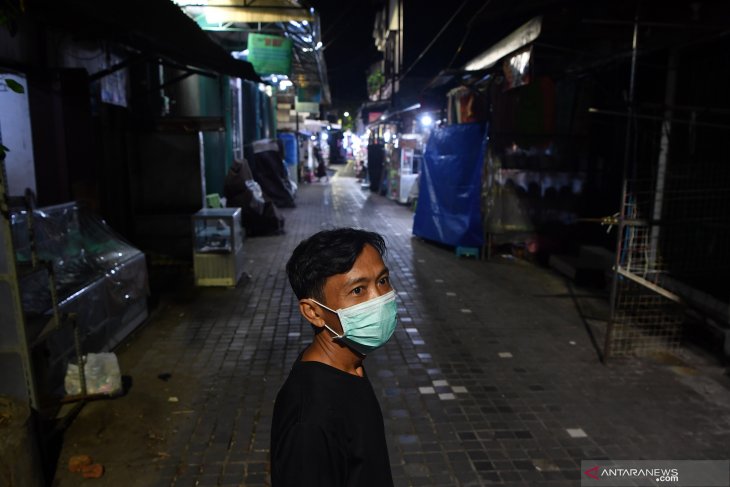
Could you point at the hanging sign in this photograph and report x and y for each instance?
(269, 54)
(309, 93)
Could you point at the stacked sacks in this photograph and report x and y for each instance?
(270, 172)
(259, 215)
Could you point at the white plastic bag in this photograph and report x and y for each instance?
(102, 375)
(255, 188)
(257, 201)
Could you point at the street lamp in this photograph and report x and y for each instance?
(426, 120)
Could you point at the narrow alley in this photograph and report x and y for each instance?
(492, 376)
(549, 178)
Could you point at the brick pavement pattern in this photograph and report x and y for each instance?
(491, 377)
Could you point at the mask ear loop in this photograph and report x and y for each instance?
(337, 335)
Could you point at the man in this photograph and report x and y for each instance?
(327, 429)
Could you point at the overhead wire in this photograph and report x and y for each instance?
(469, 26)
(433, 41)
(342, 15)
(342, 30)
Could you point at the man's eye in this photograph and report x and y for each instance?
(357, 291)
(384, 280)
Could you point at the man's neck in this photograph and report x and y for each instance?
(324, 349)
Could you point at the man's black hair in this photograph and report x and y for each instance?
(325, 254)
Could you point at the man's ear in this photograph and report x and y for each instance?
(312, 312)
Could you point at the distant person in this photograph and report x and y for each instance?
(321, 171)
(360, 171)
(327, 428)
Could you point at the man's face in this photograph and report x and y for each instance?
(368, 279)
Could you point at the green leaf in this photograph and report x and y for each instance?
(14, 85)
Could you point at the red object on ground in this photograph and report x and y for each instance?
(77, 463)
(93, 471)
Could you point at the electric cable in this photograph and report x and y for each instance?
(342, 30)
(469, 26)
(433, 41)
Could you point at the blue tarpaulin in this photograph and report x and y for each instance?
(290, 148)
(448, 209)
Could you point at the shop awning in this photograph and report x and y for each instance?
(478, 67)
(245, 11)
(155, 27)
(390, 117)
(521, 37)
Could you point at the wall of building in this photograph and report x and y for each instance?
(15, 134)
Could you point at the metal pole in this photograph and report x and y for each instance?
(630, 112)
(624, 192)
(79, 355)
(614, 282)
(671, 88)
(398, 50)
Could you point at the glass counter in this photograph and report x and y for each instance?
(217, 246)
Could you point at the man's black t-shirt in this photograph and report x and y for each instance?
(327, 431)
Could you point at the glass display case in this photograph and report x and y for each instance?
(98, 277)
(217, 246)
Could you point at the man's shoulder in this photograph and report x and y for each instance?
(313, 377)
(316, 384)
(307, 396)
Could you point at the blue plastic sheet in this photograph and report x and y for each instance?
(448, 209)
(290, 148)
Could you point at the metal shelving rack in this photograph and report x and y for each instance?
(19, 334)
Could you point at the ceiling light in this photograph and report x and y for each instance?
(215, 16)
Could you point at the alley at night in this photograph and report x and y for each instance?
(366, 243)
(490, 378)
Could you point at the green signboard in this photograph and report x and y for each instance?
(309, 93)
(269, 54)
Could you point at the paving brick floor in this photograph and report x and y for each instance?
(491, 377)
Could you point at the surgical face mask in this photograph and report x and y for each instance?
(369, 325)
